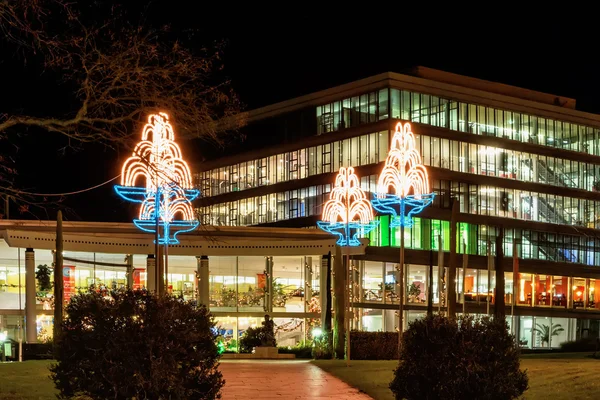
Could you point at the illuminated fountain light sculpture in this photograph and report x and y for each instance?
(348, 211)
(167, 180)
(407, 178)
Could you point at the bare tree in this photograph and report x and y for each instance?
(118, 73)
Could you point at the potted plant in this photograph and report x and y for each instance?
(413, 293)
(545, 334)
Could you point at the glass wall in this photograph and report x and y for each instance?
(474, 199)
(372, 148)
(353, 111)
(298, 164)
(509, 164)
(489, 121)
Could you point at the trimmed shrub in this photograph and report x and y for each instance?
(250, 339)
(134, 344)
(301, 351)
(37, 351)
(373, 345)
(582, 344)
(465, 359)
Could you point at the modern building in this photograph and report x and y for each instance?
(525, 161)
(238, 264)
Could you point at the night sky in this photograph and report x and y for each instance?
(271, 58)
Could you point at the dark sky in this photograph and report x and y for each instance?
(272, 57)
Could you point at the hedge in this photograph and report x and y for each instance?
(37, 351)
(373, 345)
(299, 351)
(583, 344)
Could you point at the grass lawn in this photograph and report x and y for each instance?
(27, 380)
(551, 376)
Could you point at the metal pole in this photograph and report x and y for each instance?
(514, 288)
(348, 306)
(348, 286)
(166, 266)
(489, 271)
(464, 274)
(20, 307)
(401, 287)
(440, 272)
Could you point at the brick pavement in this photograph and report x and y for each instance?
(282, 379)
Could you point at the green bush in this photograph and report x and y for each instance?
(136, 345)
(465, 359)
(301, 350)
(250, 339)
(373, 345)
(322, 348)
(583, 344)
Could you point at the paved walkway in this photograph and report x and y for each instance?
(282, 379)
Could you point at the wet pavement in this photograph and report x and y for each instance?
(282, 379)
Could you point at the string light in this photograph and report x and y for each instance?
(348, 211)
(157, 161)
(403, 185)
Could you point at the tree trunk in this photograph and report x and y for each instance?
(499, 303)
(58, 278)
(339, 306)
(452, 262)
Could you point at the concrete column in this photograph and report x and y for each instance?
(129, 274)
(30, 306)
(325, 292)
(308, 272)
(269, 288)
(151, 273)
(203, 280)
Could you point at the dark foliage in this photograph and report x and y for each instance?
(301, 351)
(464, 359)
(37, 351)
(373, 345)
(254, 337)
(42, 274)
(322, 346)
(251, 338)
(583, 344)
(136, 345)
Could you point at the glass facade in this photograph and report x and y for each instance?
(458, 116)
(353, 111)
(237, 285)
(363, 150)
(376, 283)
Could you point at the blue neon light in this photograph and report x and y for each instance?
(347, 233)
(401, 209)
(170, 194)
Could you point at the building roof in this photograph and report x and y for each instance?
(444, 84)
(125, 238)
